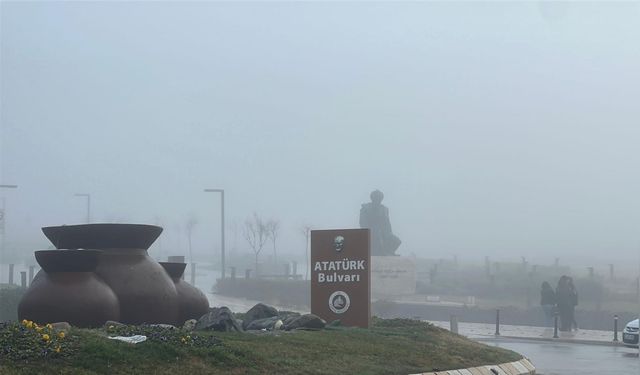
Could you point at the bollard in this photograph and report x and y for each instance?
(453, 323)
(31, 270)
(11, 274)
(555, 325)
(23, 279)
(615, 328)
(247, 273)
(193, 274)
(233, 273)
(497, 322)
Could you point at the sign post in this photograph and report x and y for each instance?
(340, 276)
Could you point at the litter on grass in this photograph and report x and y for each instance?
(130, 339)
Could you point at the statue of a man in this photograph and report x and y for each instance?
(375, 216)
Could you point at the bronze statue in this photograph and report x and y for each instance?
(375, 216)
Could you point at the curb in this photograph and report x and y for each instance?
(521, 367)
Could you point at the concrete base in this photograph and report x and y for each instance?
(392, 276)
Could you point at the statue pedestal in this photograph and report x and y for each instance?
(392, 276)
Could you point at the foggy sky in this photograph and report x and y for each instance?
(500, 129)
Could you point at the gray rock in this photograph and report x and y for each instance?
(165, 326)
(114, 324)
(307, 321)
(189, 325)
(218, 319)
(284, 315)
(259, 311)
(61, 327)
(288, 320)
(266, 323)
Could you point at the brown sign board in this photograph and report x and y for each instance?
(340, 276)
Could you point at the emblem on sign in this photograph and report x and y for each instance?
(339, 302)
(338, 243)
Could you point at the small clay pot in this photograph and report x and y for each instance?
(67, 290)
(191, 301)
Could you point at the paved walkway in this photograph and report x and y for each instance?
(481, 330)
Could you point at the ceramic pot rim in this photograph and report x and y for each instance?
(174, 269)
(63, 260)
(103, 236)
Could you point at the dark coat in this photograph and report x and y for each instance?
(547, 297)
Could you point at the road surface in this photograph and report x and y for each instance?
(552, 358)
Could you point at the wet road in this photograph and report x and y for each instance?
(572, 359)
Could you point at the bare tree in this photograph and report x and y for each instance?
(256, 233)
(305, 230)
(273, 226)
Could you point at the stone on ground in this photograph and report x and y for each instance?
(219, 319)
(307, 321)
(266, 323)
(259, 311)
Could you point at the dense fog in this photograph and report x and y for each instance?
(502, 130)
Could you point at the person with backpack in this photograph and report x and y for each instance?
(548, 303)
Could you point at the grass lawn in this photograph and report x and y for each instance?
(394, 346)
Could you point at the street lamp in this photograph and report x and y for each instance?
(88, 196)
(3, 217)
(221, 191)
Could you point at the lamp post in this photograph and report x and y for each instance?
(221, 191)
(88, 196)
(3, 218)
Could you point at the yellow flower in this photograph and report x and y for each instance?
(61, 334)
(24, 322)
(57, 349)
(29, 324)
(184, 341)
(49, 326)
(39, 329)
(45, 337)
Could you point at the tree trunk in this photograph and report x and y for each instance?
(256, 265)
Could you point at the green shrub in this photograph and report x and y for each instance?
(27, 340)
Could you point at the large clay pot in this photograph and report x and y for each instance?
(192, 302)
(145, 291)
(67, 290)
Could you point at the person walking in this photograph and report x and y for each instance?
(548, 303)
(564, 301)
(573, 302)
